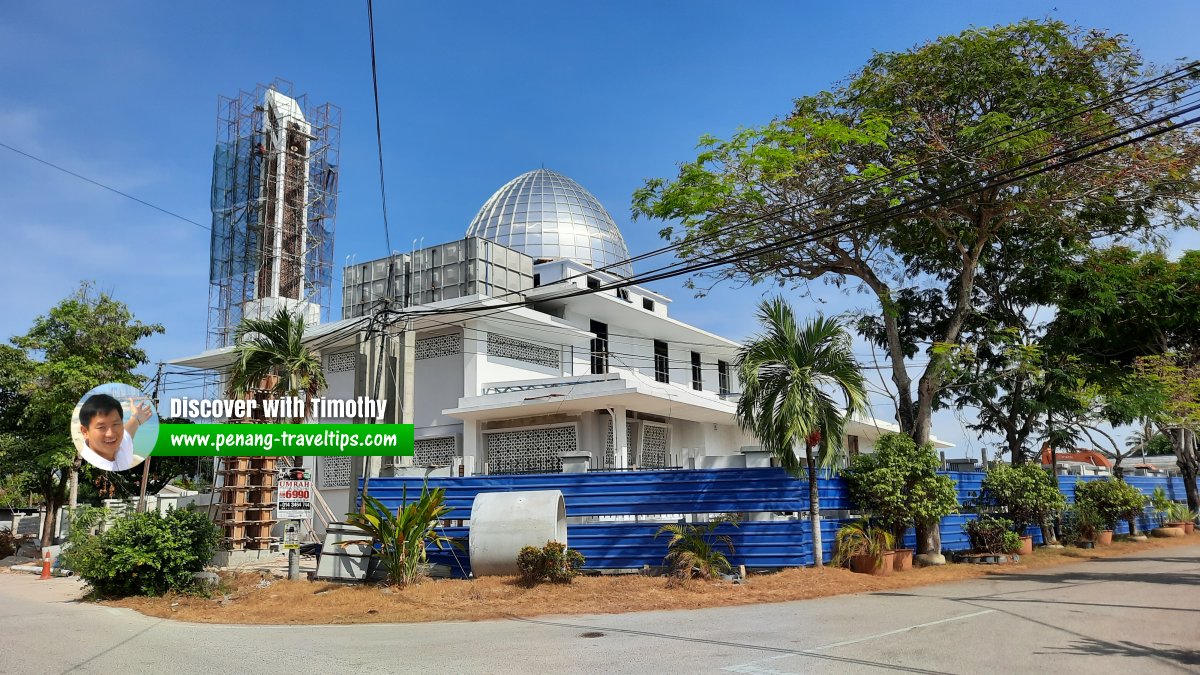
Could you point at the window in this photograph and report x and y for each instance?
(697, 379)
(852, 445)
(662, 365)
(723, 377)
(537, 280)
(648, 304)
(623, 293)
(599, 348)
(593, 283)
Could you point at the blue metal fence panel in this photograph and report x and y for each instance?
(626, 493)
(779, 543)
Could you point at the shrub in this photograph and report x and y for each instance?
(860, 537)
(989, 534)
(1113, 500)
(1161, 504)
(8, 543)
(1081, 522)
(403, 536)
(898, 484)
(692, 550)
(554, 562)
(1178, 512)
(1028, 493)
(144, 553)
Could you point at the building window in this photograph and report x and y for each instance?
(599, 348)
(623, 293)
(648, 304)
(593, 283)
(697, 378)
(537, 280)
(852, 445)
(723, 377)
(662, 365)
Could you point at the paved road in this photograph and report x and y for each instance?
(1138, 614)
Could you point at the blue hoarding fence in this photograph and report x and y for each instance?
(638, 503)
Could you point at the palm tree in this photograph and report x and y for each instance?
(788, 373)
(271, 354)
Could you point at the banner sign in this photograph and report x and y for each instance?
(271, 440)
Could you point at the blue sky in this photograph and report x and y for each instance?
(472, 94)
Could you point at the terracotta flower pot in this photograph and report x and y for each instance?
(1105, 538)
(903, 559)
(1026, 545)
(1186, 527)
(1167, 532)
(875, 565)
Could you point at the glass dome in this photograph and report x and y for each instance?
(547, 216)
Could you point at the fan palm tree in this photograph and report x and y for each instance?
(791, 376)
(270, 354)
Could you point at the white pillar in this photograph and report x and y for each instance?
(620, 438)
(470, 443)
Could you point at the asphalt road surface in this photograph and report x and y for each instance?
(1138, 614)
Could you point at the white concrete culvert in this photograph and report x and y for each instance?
(502, 523)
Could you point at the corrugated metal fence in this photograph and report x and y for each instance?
(626, 499)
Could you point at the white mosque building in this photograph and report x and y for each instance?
(589, 381)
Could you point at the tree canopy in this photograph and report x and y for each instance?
(840, 189)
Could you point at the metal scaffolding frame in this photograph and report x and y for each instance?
(274, 201)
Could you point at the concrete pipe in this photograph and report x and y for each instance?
(502, 523)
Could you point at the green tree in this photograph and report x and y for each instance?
(1028, 494)
(788, 372)
(898, 484)
(1176, 380)
(85, 340)
(270, 354)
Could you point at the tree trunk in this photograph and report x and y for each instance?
(1048, 537)
(1185, 454)
(814, 507)
(929, 543)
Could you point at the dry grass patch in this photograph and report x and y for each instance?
(249, 599)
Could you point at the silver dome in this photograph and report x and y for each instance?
(546, 215)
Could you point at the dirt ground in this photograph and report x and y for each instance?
(254, 599)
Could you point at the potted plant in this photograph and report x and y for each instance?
(1027, 494)
(898, 484)
(1081, 525)
(865, 548)
(993, 537)
(1161, 505)
(1113, 500)
(1179, 515)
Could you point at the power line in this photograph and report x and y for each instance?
(387, 234)
(106, 187)
(901, 209)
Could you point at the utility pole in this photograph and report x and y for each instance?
(141, 507)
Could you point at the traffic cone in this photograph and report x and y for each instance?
(45, 565)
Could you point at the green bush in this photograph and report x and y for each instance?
(8, 543)
(404, 535)
(1028, 493)
(1081, 523)
(553, 562)
(144, 553)
(898, 484)
(692, 550)
(1113, 500)
(992, 535)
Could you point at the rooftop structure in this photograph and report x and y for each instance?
(547, 216)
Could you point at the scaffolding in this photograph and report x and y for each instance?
(274, 200)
